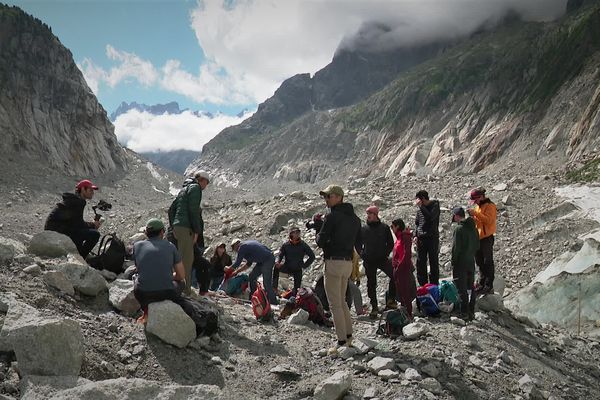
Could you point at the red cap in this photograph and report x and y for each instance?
(373, 209)
(85, 184)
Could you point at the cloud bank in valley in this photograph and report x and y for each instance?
(145, 132)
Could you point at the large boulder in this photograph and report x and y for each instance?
(51, 244)
(120, 296)
(124, 389)
(170, 323)
(14, 310)
(415, 330)
(35, 387)
(43, 345)
(59, 281)
(334, 387)
(490, 302)
(85, 279)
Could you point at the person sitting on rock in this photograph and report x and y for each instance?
(292, 254)
(254, 252)
(218, 262)
(160, 271)
(404, 279)
(484, 214)
(465, 244)
(67, 218)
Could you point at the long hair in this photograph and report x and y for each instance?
(399, 223)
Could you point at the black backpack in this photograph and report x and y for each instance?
(391, 322)
(205, 316)
(111, 254)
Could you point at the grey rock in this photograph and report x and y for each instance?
(415, 330)
(34, 270)
(380, 363)
(490, 302)
(431, 385)
(285, 371)
(7, 253)
(370, 393)
(476, 361)
(170, 323)
(431, 369)
(121, 297)
(412, 374)
(501, 187)
(108, 275)
(457, 321)
(364, 345)
(334, 387)
(300, 317)
(387, 374)
(35, 387)
(59, 281)
(51, 244)
(347, 352)
(85, 279)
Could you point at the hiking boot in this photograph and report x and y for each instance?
(373, 314)
(391, 305)
(335, 350)
(349, 341)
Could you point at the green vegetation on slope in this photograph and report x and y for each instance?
(590, 172)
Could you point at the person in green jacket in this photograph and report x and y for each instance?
(465, 243)
(185, 216)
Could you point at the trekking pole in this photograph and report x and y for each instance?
(579, 312)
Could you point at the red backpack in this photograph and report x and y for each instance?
(306, 299)
(260, 304)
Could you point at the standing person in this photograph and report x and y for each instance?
(160, 271)
(338, 238)
(378, 243)
(427, 237)
(484, 214)
(255, 252)
(218, 262)
(404, 279)
(293, 252)
(67, 218)
(465, 244)
(185, 216)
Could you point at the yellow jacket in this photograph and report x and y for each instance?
(355, 275)
(484, 215)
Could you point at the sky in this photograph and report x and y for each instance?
(225, 56)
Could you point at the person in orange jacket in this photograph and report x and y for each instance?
(484, 214)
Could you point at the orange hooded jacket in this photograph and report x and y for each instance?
(484, 215)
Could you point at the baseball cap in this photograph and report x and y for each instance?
(458, 211)
(235, 241)
(294, 229)
(85, 184)
(155, 225)
(475, 193)
(332, 189)
(373, 209)
(202, 174)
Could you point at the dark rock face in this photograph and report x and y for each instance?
(176, 160)
(47, 111)
(156, 109)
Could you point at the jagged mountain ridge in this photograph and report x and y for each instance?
(171, 107)
(48, 114)
(175, 160)
(525, 91)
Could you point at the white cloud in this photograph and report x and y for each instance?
(143, 132)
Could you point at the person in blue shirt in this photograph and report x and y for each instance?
(255, 252)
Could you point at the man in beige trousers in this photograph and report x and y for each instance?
(338, 238)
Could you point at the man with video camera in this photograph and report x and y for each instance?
(67, 218)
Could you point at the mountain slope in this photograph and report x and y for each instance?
(525, 91)
(175, 160)
(48, 114)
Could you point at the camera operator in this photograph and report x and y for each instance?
(67, 218)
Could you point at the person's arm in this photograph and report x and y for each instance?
(325, 235)
(311, 255)
(457, 244)
(358, 242)
(194, 200)
(281, 254)
(389, 241)
(485, 216)
(432, 214)
(179, 272)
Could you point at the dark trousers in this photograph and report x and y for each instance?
(202, 268)
(319, 291)
(485, 261)
(428, 248)
(464, 277)
(216, 279)
(147, 297)
(296, 274)
(371, 272)
(85, 240)
(266, 270)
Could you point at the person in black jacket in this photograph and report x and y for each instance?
(67, 218)
(338, 238)
(293, 252)
(378, 243)
(218, 262)
(427, 237)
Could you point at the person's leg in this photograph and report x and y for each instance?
(488, 262)
(336, 283)
(216, 281)
(473, 297)
(422, 261)
(202, 273)
(252, 278)
(386, 267)
(479, 260)
(267, 273)
(276, 279)
(185, 241)
(459, 276)
(371, 272)
(85, 240)
(297, 281)
(356, 297)
(433, 252)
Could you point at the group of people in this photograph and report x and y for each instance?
(165, 268)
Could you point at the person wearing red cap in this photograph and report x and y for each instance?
(484, 214)
(67, 218)
(378, 243)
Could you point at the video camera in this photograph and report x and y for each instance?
(102, 206)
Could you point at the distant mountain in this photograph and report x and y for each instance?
(156, 109)
(176, 160)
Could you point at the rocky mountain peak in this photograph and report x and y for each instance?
(47, 111)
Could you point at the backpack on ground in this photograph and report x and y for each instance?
(309, 302)
(426, 300)
(235, 285)
(260, 304)
(111, 254)
(449, 292)
(204, 316)
(391, 322)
